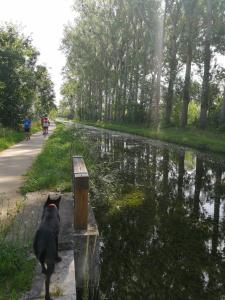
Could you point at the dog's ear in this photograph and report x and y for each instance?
(48, 201)
(58, 199)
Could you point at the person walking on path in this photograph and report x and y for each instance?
(27, 127)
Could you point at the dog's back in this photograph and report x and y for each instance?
(45, 237)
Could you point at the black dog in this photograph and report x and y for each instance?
(46, 240)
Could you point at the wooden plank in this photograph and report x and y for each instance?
(81, 204)
(80, 188)
(79, 166)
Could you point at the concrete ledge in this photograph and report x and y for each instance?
(62, 281)
(79, 268)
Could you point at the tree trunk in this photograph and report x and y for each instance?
(124, 93)
(198, 185)
(215, 236)
(131, 95)
(106, 110)
(207, 59)
(153, 167)
(100, 117)
(143, 89)
(169, 96)
(165, 171)
(136, 86)
(154, 117)
(222, 111)
(181, 171)
(173, 66)
(186, 92)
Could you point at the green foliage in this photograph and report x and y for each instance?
(133, 199)
(16, 270)
(44, 101)
(17, 62)
(176, 112)
(67, 105)
(193, 112)
(22, 83)
(105, 51)
(9, 137)
(111, 68)
(52, 169)
(53, 113)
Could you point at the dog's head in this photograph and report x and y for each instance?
(54, 201)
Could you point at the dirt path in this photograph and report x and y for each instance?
(14, 163)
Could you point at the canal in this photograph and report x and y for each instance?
(161, 216)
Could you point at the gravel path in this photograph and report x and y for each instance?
(14, 163)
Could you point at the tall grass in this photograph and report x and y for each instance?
(16, 270)
(52, 168)
(16, 264)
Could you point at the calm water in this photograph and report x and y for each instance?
(161, 218)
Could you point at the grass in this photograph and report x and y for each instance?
(52, 168)
(16, 265)
(9, 137)
(16, 270)
(199, 139)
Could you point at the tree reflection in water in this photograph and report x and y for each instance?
(163, 226)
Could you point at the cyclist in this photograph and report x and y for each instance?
(27, 127)
(45, 124)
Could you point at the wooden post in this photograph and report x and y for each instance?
(80, 193)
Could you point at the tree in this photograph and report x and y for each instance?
(17, 64)
(154, 111)
(207, 59)
(44, 101)
(116, 69)
(222, 111)
(173, 32)
(68, 90)
(214, 45)
(190, 14)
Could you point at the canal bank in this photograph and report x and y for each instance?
(160, 212)
(211, 141)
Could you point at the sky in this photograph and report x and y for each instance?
(44, 21)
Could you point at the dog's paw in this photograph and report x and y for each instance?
(58, 259)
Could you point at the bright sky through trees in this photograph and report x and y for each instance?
(43, 20)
